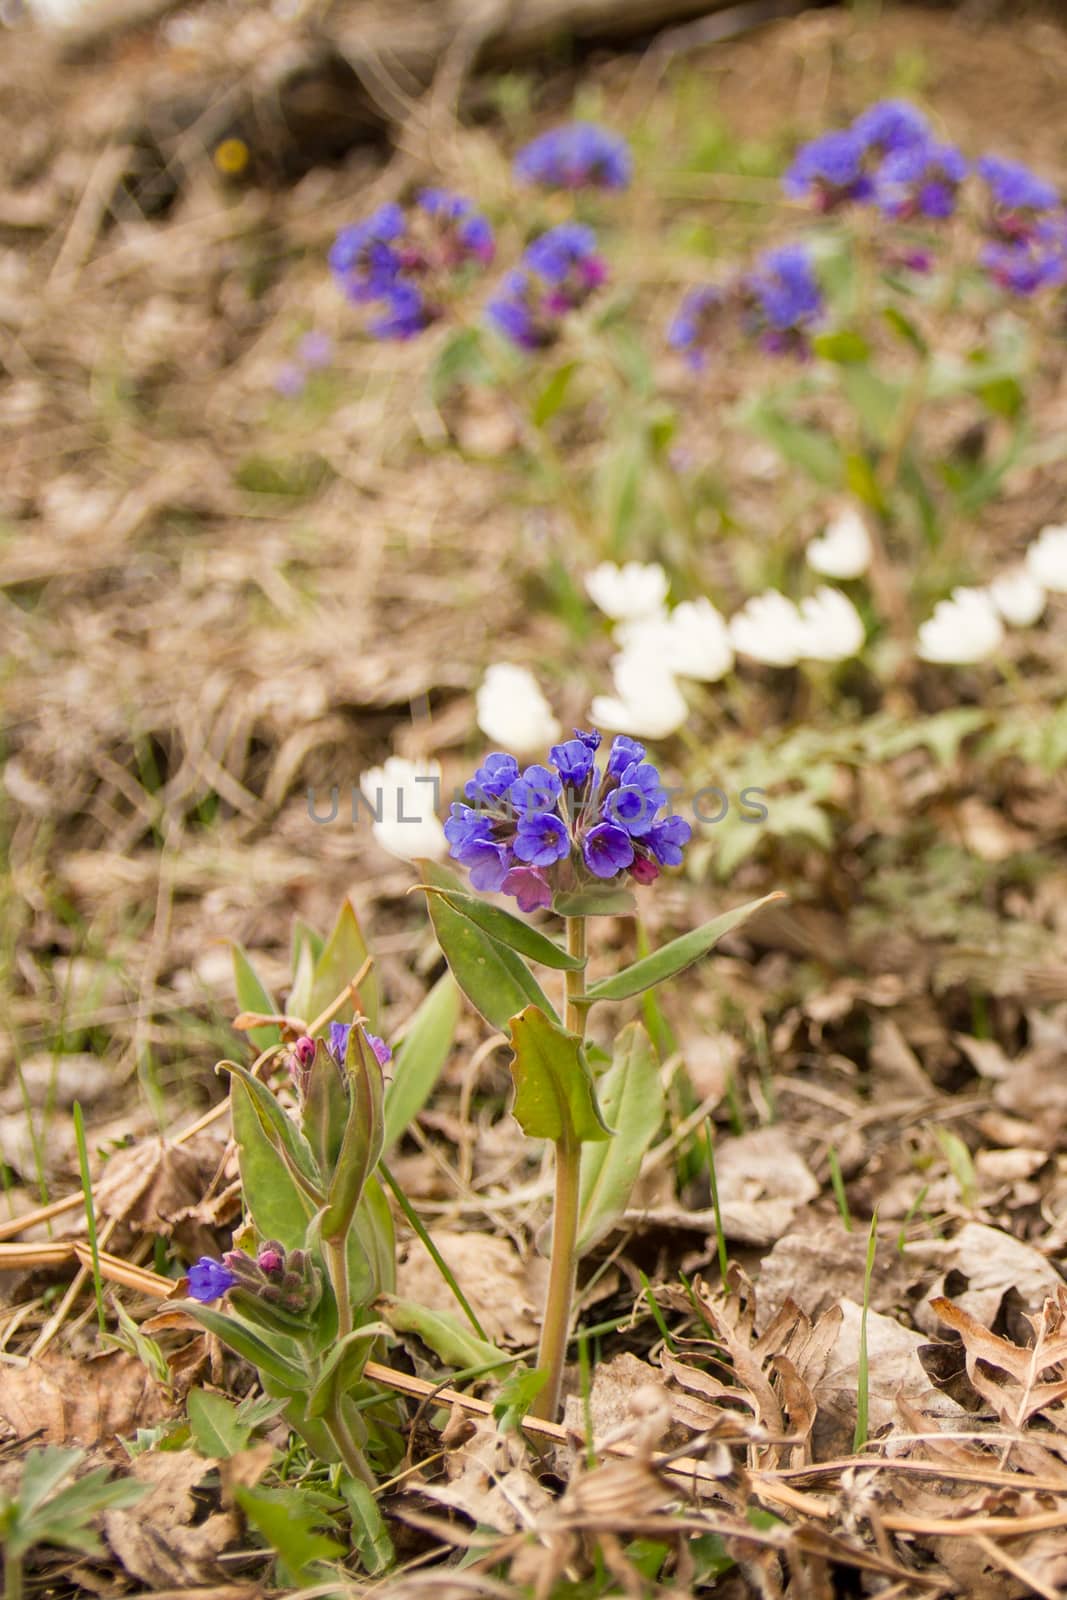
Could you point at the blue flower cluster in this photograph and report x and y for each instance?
(565, 824)
(577, 156)
(559, 271)
(778, 302)
(783, 299)
(274, 1276)
(888, 157)
(407, 261)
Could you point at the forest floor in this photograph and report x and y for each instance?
(216, 598)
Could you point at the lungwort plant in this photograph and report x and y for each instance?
(572, 837)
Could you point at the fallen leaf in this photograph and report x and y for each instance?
(491, 1274)
(893, 1365)
(58, 1400)
(991, 1262)
(762, 1182)
(159, 1542)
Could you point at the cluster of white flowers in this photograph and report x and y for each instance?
(969, 626)
(659, 646)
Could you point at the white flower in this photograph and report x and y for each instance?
(692, 641)
(403, 796)
(627, 592)
(1018, 597)
(963, 629)
(844, 550)
(512, 711)
(833, 628)
(769, 628)
(1046, 559)
(647, 702)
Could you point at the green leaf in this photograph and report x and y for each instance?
(445, 1335)
(417, 1062)
(554, 1093)
(343, 1367)
(510, 930)
(516, 1395)
(813, 451)
(364, 1135)
(218, 1431)
(299, 1001)
(673, 958)
(253, 995)
(370, 1536)
(496, 982)
(595, 903)
(42, 1473)
(861, 480)
(325, 1110)
(371, 1247)
(343, 954)
(876, 402)
(905, 329)
(249, 1344)
(461, 360)
(845, 348)
(553, 394)
(632, 1100)
(288, 1520)
(280, 1206)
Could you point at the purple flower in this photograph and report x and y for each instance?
(315, 349)
(830, 171)
(493, 778)
(271, 1261)
(209, 1280)
(466, 827)
(537, 790)
(488, 865)
(541, 839)
(784, 299)
(891, 125)
(337, 1044)
(407, 313)
(623, 753)
(289, 380)
(530, 889)
(512, 314)
(362, 257)
(606, 850)
(633, 805)
(695, 324)
(382, 1052)
(577, 156)
(1019, 196)
(1026, 266)
(337, 1041)
(544, 831)
(643, 869)
(666, 840)
(467, 232)
(560, 269)
(409, 260)
(921, 180)
(573, 761)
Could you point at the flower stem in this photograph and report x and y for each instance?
(563, 1268)
(336, 1252)
(352, 1456)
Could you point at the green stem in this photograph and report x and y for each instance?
(336, 1251)
(13, 1575)
(352, 1456)
(563, 1268)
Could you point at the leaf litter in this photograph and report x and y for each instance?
(728, 1444)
